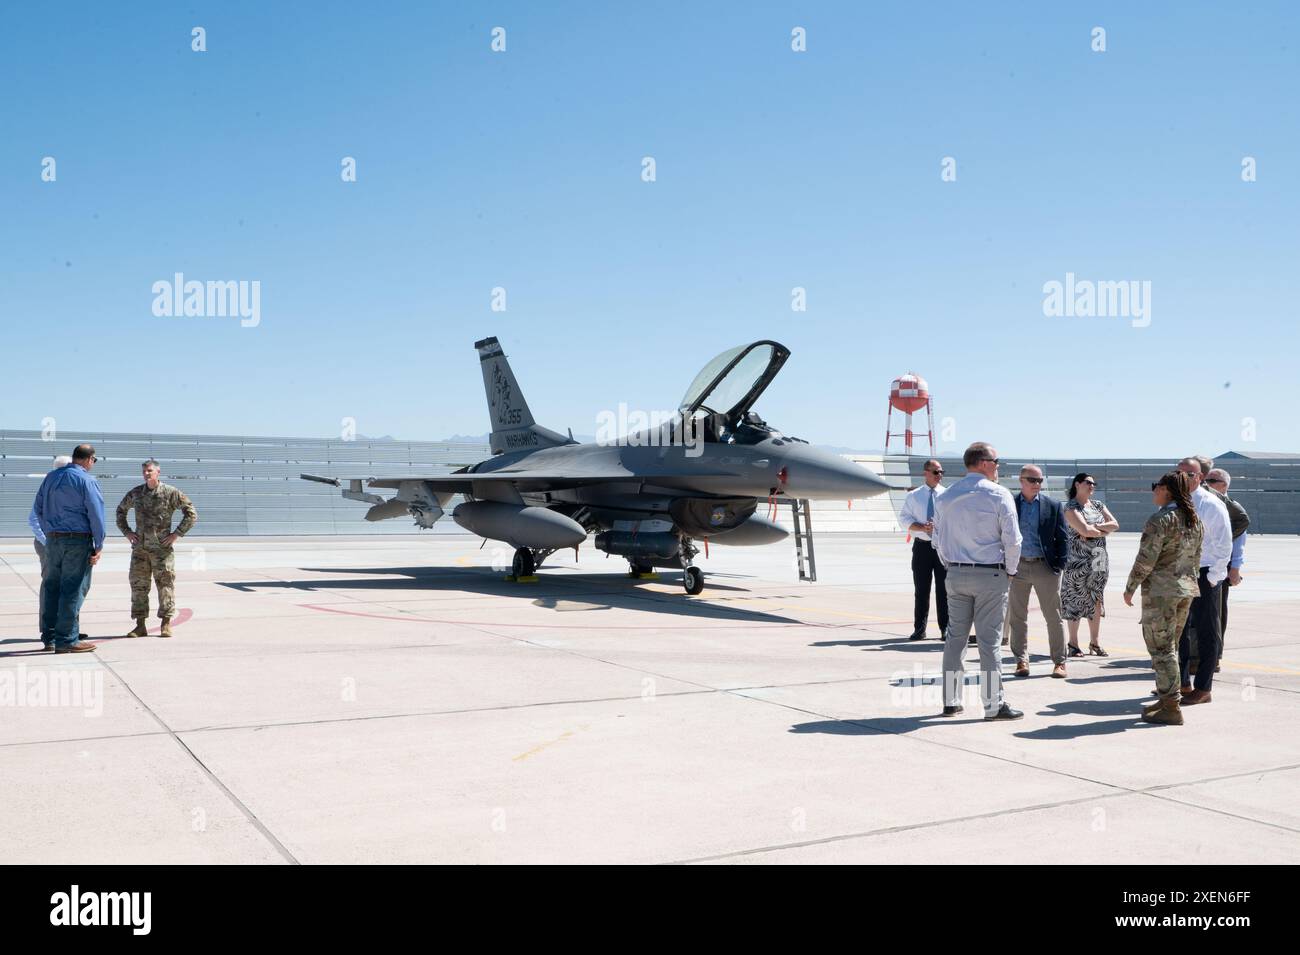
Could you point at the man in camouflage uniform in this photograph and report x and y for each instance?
(1166, 570)
(151, 544)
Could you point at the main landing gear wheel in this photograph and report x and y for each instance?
(693, 580)
(523, 565)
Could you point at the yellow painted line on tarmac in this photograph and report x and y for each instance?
(1281, 671)
(1261, 668)
(541, 746)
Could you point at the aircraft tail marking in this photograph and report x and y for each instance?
(513, 427)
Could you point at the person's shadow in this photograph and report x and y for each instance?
(872, 726)
(1128, 713)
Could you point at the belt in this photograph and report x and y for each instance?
(68, 534)
(985, 566)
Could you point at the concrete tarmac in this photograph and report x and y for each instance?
(332, 700)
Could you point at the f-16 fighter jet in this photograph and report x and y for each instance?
(651, 496)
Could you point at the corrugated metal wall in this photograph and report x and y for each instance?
(240, 485)
(248, 485)
(1268, 488)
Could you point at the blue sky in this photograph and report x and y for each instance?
(775, 169)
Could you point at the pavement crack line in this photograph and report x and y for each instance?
(1120, 789)
(239, 803)
(1117, 789)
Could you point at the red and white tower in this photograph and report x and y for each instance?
(909, 393)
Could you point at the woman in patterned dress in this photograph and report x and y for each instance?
(1083, 583)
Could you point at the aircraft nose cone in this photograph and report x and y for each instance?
(822, 475)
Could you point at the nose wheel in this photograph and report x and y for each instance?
(692, 576)
(693, 580)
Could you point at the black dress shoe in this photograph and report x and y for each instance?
(1006, 713)
(919, 635)
(952, 710)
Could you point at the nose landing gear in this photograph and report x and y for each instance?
(693, 580)
(692, 576)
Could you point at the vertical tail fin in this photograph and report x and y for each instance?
(513, 427)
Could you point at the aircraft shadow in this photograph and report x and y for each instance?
(485, 573)
(555, 593)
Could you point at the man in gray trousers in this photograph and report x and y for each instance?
(977, 536)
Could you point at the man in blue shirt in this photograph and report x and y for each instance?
(69, 511)
(38, 542)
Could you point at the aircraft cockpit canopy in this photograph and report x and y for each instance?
(727, 387)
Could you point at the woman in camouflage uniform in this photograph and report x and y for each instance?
(1165, 569)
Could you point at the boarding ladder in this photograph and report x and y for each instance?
(803, 538)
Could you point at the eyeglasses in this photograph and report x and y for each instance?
(936, 470)
(1215, 481)
(1032, 480)
(994, 460)
(1089, 483)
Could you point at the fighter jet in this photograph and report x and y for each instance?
(651, 496)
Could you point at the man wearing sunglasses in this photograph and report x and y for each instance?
(70, 511)
(1044, 550)
(917, 516)
(978, 539)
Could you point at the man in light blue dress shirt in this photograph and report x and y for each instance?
(978, 538)
(917, 518)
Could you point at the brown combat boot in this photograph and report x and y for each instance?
(1154, 706)
(1166, 711)
(141, 628)
(166, 627)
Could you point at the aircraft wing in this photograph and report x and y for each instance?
(522, 480)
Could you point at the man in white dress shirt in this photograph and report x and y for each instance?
(917, 518)
(1216, 549)
(978, 538)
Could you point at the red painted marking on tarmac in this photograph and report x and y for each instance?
(410, 618)
(182, 615)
